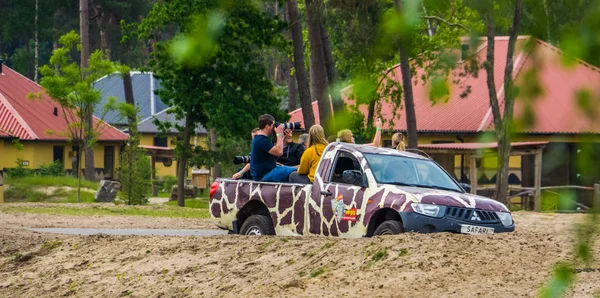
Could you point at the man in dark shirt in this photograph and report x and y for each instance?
(263, 165)
(244, 173)
(292, 152)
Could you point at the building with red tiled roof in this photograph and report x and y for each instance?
(559, 119)
(41, 129)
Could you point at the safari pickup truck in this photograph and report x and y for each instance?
(358, 191)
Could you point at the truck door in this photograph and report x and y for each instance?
(341, 201)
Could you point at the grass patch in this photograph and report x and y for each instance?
(25, 193)
(37, 189)
(201, 203)
(58, 181)
(107, 209)
(317, 272)
(380, 254)
(86, 197)
(328, 245)
(51, 244)
(402, 252)
(163, 195)
(264, 246)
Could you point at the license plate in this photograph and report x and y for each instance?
(467, 229)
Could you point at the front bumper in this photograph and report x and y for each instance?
(415, 222)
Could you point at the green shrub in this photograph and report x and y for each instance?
(165, 183)
(52, 169)
(19, 171)
(134, 174)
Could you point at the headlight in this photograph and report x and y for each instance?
(505, 218)
(429, 209)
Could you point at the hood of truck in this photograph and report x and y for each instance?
(450, 198)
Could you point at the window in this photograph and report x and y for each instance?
(58, 154)
(345, 161)
(400, 170)
(161, 142)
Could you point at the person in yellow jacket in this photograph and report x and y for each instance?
(311, 157)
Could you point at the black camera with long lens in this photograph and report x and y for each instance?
(290, 125)
(241, 159)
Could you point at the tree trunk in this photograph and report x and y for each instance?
(90, 168)
(549, 23)
(28, 72)
(502, 124)
(370, 113)
(299, 68)
(37, 47)
(183, 159)
(76, 171)
(89, 109)
(105, 42)
(292, 89)
(317, 63)
(328, 55)
(407, 91)
(336, 98)
(128, 88)
(409, 102)
(84, 30)
(429, 27)
(504, 137)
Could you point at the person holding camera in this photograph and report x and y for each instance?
(244, 173)
(292, 152)
(263, 164)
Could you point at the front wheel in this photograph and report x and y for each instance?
(257, 225)
(389, 227)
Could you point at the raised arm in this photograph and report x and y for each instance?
(277, 150)
(377, 138)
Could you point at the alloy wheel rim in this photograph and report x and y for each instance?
(254, 231)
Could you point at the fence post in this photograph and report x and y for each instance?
(537, 198)
(596, 206)
(473, 173)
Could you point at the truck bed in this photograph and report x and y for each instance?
(286, 203)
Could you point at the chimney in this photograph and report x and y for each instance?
(464, 50)
(55, 111)
(1, 63)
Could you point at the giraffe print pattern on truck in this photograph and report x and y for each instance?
(301, 209)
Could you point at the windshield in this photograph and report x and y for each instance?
(393, 169)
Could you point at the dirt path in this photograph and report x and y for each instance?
(408, 265)
(27, 220)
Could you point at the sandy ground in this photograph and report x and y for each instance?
(411, 265)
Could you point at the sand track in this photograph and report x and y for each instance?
(407, 265)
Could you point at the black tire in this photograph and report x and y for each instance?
(257, 225)
(389, 227)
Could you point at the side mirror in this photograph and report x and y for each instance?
(354, 177)
(466, 187)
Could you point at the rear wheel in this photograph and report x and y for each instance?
(389, 227)
(257, 225)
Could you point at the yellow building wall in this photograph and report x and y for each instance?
(39, 153)
(161, 169)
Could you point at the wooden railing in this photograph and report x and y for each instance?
(586, 197)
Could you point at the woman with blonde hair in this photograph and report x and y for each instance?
(311, 157)
(346, 136)
(398, 141)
